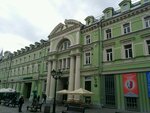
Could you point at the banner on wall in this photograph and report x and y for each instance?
(148, 82)
(130, 86)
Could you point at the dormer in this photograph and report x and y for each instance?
(125, 5)
(43, 41)
(18, 52)
(22, 50)
(108, 12)
(15, 53)
(31, 46)
(37, 44)
(7, 54)
(145, 1)
(27, 48)
(89, 20)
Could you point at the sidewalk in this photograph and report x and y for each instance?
(59, 109)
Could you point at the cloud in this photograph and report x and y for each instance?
(13, 42)
(32, 20)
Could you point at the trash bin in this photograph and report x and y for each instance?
(47, 108)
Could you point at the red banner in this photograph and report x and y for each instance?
(130, 85)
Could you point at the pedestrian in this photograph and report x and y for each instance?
(38, 98)
(20, 103)
(44, 97)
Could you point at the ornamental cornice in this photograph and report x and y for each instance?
(89, 28)
(145, 35)
(126, 15)
(108, 44)
(76, 46)
(127, 40)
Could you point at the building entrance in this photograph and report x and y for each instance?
(64, 86)
(27, 90)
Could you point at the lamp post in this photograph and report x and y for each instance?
(56, 75)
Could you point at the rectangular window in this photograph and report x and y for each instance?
(88, 84)
(46, 66)
(34, 56)
(148, 46)
(88, 58)
(125, 7)
(109, 54)
(126, 28)
(147, 21)
(131, 103)
(64, 63)
(68, 62)
(109, 91)
(108, 34)
(128, 51)
(60, 64)
(87, 39)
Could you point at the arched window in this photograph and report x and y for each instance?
(64, 45)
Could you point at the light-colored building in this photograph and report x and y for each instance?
(109, 56)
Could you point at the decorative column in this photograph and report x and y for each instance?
(52, 83)
(48, 79)
(77, 75)
(71, 76)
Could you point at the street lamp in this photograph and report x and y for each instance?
(56, 75)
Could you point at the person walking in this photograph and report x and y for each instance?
(44, 97)
(20, 103)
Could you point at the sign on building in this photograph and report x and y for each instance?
(130, 86)
(148, 82)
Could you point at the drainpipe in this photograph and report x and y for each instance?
(100, 60)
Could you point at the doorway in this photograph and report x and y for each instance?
(27, 90)
(64, 86)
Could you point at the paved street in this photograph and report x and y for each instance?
(4, 109)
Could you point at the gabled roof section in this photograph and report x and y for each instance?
(58, 28)
(69, 23)
(72, 22)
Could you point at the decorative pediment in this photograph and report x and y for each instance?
(68, 23)
(71, 22)
(58, 28)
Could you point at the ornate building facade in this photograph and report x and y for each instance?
(109, 56)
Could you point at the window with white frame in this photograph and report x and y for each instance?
(68, 62)
(109, 54)
(60, 64)
(87, 57)
(88, 39)
(125, 7)
(64, 63)
(108, 34)
(148, 46)
(147, 21)
(65, 45)
(108, 14)
(128, 51)
(126, 28)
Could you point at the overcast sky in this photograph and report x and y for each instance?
(24, 22)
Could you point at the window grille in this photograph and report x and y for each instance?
(131, 103)
(109, 91)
